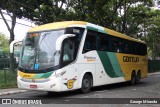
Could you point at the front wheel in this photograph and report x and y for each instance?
(86, 84)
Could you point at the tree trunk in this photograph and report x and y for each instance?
(12, 62)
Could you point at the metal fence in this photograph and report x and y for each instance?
(153, 65)
(7, 78)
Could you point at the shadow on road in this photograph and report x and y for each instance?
(56, 95)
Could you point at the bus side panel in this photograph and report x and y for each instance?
(131, 63)
(145, 67)
(84, 68)
(70, 77)
(103, 68)
(108, 69)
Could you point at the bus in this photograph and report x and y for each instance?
(72, 55)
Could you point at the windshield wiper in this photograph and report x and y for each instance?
(43, 37)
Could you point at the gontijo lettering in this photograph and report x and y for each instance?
(130, 59)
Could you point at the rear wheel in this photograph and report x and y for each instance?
(86, 84)
(138, 77)
(133, 78)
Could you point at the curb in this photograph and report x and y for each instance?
(12, 92)
(155, 73)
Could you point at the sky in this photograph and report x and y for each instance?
(20, 30)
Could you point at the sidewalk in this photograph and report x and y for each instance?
(154, 73)
(11, 91)
(16, 90)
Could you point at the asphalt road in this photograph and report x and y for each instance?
(147, 88)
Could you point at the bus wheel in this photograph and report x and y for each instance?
(86, 84)
(133, 78)
(138, 77)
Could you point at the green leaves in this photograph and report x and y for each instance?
(132, 17)
(4, 43)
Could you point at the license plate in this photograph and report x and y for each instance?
(33, 86)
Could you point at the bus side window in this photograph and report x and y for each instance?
(115, 45)
(103, 42)
(90, 42)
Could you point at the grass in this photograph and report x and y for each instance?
(7, 79)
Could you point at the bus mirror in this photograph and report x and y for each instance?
(14, 44)
(15, 48)
(61, 39)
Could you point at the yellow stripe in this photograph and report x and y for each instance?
(26, 75)
(56, 25)
(117, 34)
(128, 67)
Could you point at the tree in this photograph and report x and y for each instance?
(4, 43)
(126, 16)
(153, 33)
(11, 10)
(40, 11)
(44, 11)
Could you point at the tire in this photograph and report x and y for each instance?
(133, 78)
(86, 84)
(138, 77)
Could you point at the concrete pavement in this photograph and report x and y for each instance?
(11, 91)
(16, 90)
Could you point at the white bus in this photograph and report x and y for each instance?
(73, 55)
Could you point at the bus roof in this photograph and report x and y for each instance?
(64, 24)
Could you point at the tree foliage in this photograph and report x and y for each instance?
(131, 17)
(4, 43)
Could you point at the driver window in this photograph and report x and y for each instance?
(68, 51)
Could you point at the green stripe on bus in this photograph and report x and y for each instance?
(46, 75)
(95, 29)
(38, 76)
(102, 31)
(107, 64)
(115, 64)
(92, 28)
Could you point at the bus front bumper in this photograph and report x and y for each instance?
(47, 85)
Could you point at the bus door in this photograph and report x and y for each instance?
(68, 66)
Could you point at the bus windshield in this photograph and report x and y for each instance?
(38, 50)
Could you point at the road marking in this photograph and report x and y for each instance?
(101, 91)
(66, 100)
(85, 97)
(134, 89)
(126, 90)
(100, 97)
(97, 94)
(120, 91)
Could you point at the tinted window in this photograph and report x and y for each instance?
(90, 41)
(103, 42)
